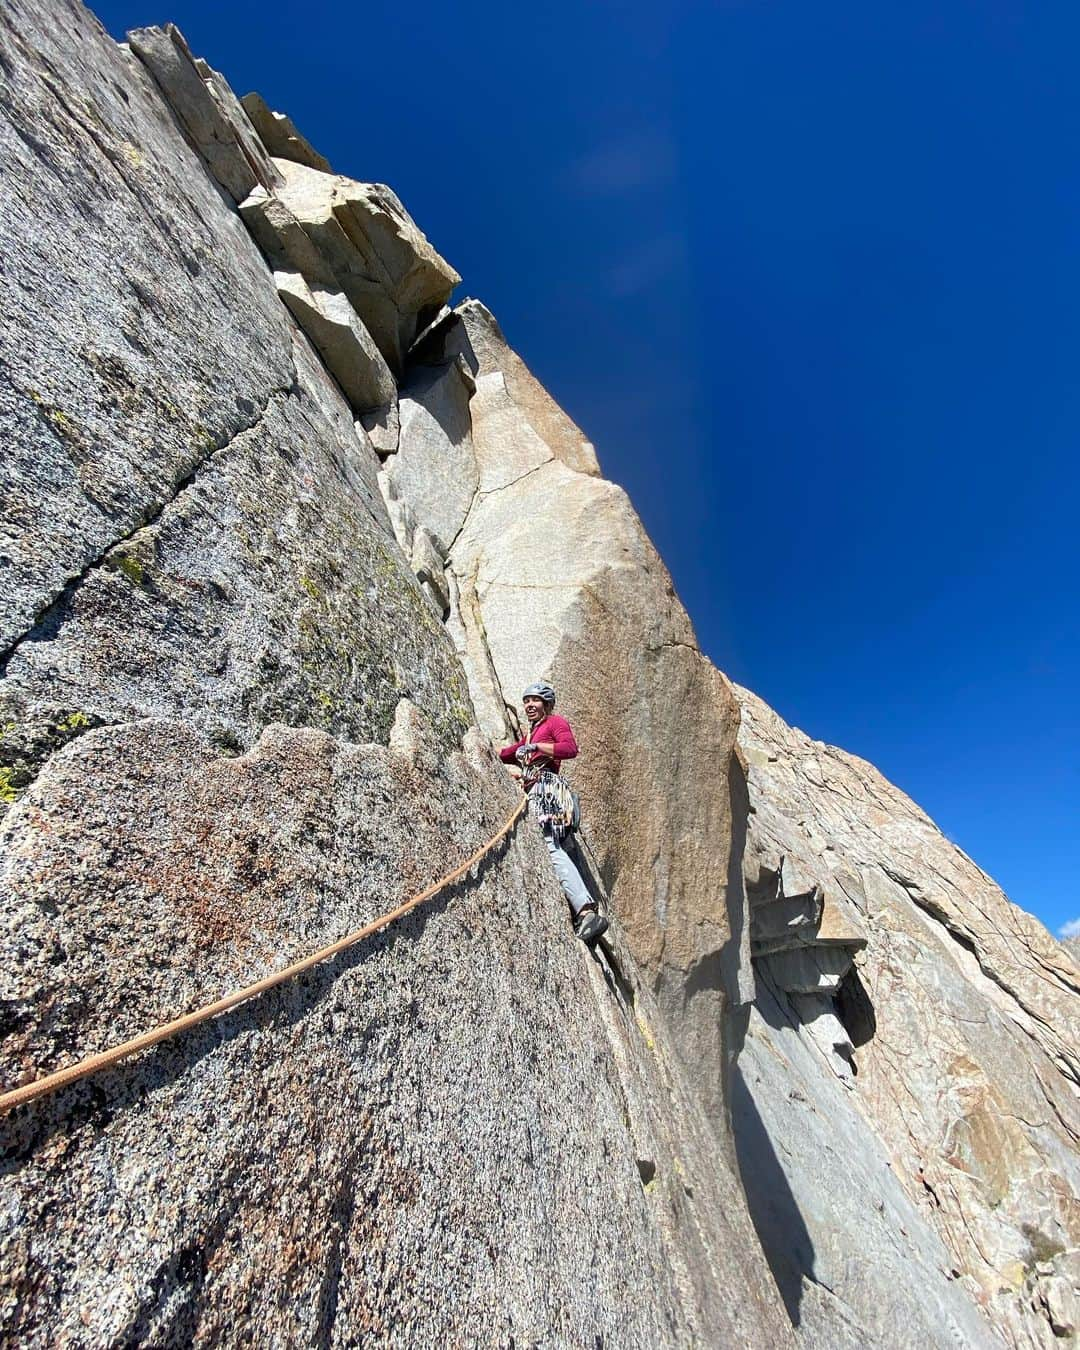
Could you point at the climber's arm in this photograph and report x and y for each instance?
(562, 744)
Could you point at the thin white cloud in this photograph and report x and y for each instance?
(644, 160)
(1070, 929)
(651, 263)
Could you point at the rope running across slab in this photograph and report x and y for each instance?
(52, 1082)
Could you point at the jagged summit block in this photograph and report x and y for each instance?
(207, 109)
(367, 242)
(279, 134)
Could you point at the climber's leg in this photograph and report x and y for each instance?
(574, 888)
(588, 924)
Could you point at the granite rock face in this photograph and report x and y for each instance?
(492, 353)
(345, 345)
(235, 728)
(951, 1040)
(186, 493)
(549, 573)
(272, 1177)
(207, 109)
(435, 468)
(113, 396)
(282, 538)
(855, 1259)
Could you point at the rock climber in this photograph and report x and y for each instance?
(549, 742)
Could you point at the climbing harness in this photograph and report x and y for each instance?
(92, 1063)
(553, 804)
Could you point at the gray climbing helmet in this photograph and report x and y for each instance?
(540, 690)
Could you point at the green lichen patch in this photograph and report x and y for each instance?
(131, 567)
(30, 738)
(73, 724)
(121, 388)
(61, 422)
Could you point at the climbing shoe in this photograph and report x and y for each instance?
(589, 925)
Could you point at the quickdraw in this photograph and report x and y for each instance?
(554, 805)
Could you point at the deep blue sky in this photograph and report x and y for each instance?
(809, 276)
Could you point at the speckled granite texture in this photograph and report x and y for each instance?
(234, 729)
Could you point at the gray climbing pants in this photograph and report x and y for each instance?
(570, 880)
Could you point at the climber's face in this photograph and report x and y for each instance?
(534, 708)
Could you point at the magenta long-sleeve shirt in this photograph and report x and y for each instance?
(551, 728)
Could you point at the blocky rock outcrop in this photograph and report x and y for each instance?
(208, 111)
(942, 1044)
(364, 240)
(278, 133)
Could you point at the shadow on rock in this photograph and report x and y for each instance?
(583, 858)
(856, 1009)
(602, 952)
(734, 956)
(447, 404)
(780, 1228)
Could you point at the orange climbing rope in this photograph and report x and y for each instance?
(63, 1077)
